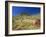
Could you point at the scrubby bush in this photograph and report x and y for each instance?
(18, 22)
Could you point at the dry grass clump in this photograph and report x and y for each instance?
(25, 22)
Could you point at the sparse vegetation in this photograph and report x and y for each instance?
(24, 22)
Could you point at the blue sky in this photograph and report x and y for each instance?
(16, 10)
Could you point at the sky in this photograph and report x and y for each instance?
(16, 10)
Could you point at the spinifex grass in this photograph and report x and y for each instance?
(24, 22)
